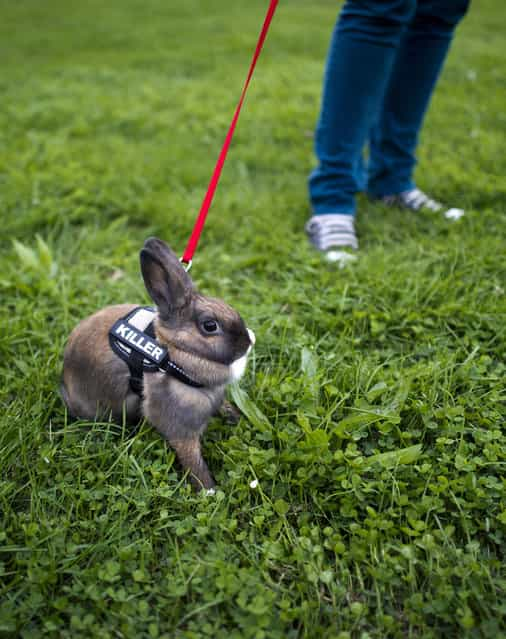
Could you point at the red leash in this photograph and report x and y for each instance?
(211, 189)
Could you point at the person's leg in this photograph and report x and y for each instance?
(419, 60)
(360, 59)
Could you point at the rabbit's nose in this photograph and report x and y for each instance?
(252, 337)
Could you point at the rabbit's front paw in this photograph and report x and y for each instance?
(230, 413)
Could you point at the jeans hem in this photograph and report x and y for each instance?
(390, 189)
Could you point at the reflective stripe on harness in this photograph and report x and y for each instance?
(133, 339)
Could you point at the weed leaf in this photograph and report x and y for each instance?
(394, 458)
(249, 408)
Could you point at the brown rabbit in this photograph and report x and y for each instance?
(207, 344)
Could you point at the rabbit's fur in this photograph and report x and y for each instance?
(96, 380)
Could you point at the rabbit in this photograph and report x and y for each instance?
(205, 337)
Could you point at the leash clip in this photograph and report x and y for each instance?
(186, 264)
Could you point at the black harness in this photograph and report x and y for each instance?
(133, 339)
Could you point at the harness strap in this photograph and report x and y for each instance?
(136, 364)
(173, 369)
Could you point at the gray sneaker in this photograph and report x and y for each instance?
(332, 234)
(416, 200)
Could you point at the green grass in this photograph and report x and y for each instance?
(375, 402)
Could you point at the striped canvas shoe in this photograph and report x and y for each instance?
(416, 200)
(332, 234)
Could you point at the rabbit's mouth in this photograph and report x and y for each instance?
(238, 366)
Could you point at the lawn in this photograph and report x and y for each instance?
(375, 402)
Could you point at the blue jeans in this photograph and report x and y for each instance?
(384, 60)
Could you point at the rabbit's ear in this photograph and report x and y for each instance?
(166, 280)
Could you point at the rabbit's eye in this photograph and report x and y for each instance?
(210, 326)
